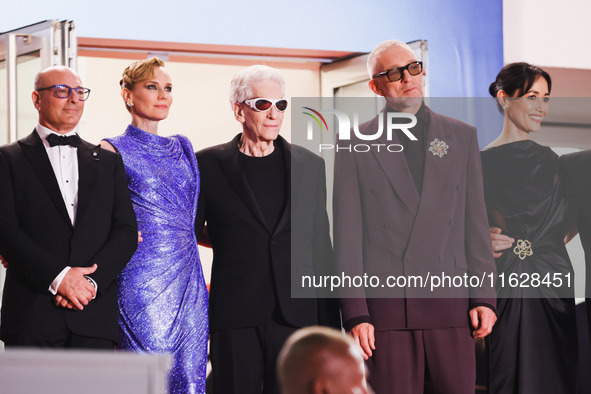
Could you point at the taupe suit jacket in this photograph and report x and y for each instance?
(383, 227)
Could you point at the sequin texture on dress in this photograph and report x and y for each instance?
(163, 298)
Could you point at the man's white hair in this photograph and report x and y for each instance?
(381, 48)
(241, 85)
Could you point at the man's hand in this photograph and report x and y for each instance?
(139, 237)
(483, 319)
(75, 288)
(499, 241)
(363, 334)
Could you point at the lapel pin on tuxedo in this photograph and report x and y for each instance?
(95, 152)
(438, 148)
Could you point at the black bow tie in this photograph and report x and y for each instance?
(72, 140)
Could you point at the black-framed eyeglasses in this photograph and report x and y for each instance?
(260, 104)
(395, 74)
(64, 91)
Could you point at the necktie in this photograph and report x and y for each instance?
(72, 140)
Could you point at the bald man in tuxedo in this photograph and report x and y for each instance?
(67, 227)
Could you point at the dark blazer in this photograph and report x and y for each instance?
(252, 264)
(38, 240)
(383, 227)
(576, 177)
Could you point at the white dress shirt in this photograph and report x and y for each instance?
(64, 161)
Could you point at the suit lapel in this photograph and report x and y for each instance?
(436, 174)
(297, 179)
(437, 168)
(230, 164)
(34, 151)
(88, 155)
(396, 170)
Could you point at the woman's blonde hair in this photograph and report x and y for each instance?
(139, 71)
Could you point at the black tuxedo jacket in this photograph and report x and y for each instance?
(576, 177)
(252, 268)
(38, 240)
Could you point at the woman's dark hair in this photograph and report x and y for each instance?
(518, 78)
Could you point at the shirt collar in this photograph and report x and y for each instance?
(44, 132)
(424, 114)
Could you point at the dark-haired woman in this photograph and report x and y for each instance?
(533, 346)
(162, 294)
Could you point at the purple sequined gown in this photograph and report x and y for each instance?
(162, 293)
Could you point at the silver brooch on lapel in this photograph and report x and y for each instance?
(438, 148)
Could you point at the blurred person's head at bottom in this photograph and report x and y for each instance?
(321, 360)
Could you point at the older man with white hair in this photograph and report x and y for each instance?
(249, 188)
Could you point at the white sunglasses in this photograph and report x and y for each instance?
(260, 104)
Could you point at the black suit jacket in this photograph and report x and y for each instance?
(576, 177)
(382, 227)
(38, 240)
(252, 271)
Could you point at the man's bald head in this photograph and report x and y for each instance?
(56, 113)
(320, 359)
(42, 77)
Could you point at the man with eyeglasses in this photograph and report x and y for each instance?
(67, 227)
(414, 214)
(249, 188)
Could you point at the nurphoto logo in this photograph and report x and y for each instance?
(343, 130)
